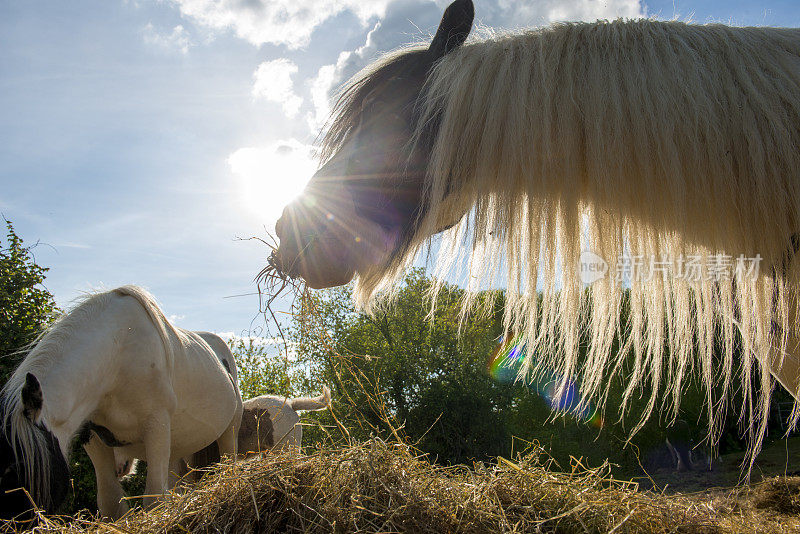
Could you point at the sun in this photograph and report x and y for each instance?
(271, 177)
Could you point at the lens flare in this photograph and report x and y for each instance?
(505, 364)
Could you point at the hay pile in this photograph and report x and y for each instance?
(384, 487)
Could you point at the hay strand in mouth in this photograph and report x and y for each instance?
(272, 281)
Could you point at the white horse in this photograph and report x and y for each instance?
(126, 464)
(658, 159)
(117, 374)
(270, 422)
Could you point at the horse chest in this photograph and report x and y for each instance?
(106, 436)
(115, 425)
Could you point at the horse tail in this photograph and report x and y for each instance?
(157, 317)
(313, 404)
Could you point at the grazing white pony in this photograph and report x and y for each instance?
(126, 464)
(270, 422)
(116, 373)
(653, 159)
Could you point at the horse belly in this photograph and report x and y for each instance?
(207, 403)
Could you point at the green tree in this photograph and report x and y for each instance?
(401, 370)
(263, 373)
(26, 306)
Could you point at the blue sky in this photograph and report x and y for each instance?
(139, 140)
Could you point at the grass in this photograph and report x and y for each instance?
(777, 458)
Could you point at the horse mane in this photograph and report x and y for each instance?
(628, 139)
(29, 443)
(348, 107)
(28, 438)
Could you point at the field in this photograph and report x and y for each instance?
(779, 458)
(388, 487)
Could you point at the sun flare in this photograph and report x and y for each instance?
(270, 177)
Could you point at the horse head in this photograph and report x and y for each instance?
(32, 466)
(361, 207)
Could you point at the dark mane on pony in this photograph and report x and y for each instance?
(31, 446)
(347, 112)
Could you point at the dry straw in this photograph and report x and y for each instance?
(388, 487)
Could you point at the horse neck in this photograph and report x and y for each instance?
(73, 372)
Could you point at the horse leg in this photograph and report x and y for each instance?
(786, 370)
(227, 442)
(157, 449)
(110, 501)
(786, 367)
(175, 472)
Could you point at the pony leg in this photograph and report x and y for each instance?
(175, 472)
(227, 442)
(786, 367)
(110, 501)
(157, 450)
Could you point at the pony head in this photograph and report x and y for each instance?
(33, 471)
(362, 206)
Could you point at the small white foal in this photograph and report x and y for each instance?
(270, 422)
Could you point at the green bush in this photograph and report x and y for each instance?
(26, 306)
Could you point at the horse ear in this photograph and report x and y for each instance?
(454, 28)
(32, 398)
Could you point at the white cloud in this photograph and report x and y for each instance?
(273, 82)
(174, 317)
(512, 13)
(289, 22)
(392, 31)
(329, 77)
(320, 87)
(72, 244)
(272, 176)
(176, 41)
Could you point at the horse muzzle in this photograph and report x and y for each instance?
(314, 254)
